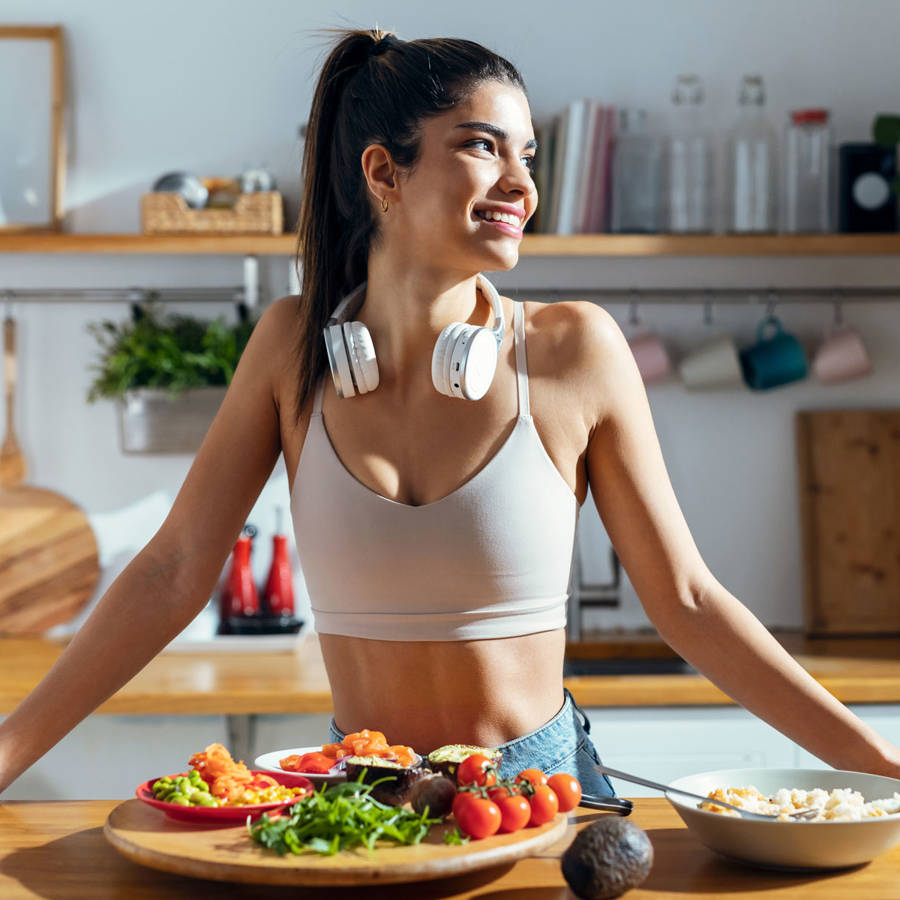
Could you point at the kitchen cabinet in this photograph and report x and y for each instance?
(665, 743)
(105, 757)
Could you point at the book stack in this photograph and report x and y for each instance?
(573, 176)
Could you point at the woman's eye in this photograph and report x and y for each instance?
(529, 160)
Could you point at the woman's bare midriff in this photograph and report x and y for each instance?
(427, 694)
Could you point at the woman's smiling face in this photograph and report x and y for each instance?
(478, 156)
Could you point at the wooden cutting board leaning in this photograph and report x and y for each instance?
(848, 464)
(49, 566)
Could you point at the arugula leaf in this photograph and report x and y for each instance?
(337, 817)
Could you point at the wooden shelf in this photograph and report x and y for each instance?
(532, 245)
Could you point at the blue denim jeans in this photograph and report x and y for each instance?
(561, 745)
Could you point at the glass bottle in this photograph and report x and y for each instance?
(808, 172)
(750, 164)
(689, 161)
(636, 175)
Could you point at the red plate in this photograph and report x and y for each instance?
(224, 815)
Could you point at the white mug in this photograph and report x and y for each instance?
(713, 365)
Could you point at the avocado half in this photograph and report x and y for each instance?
(373, 768)
(447, 759)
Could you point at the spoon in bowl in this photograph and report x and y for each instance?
(799, 816)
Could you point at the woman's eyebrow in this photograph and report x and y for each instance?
(496, 131)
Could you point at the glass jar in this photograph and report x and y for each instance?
(750, 167)
(636, 176)
(808, 172)
(689, 161)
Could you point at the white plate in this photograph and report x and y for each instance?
(269, 763)
(790, 845)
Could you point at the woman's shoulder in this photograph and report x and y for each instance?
(576, 334)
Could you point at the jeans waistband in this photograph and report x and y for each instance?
(568, 704)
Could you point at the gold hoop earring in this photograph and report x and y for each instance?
(384, 205)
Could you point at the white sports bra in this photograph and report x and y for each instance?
(489, 560)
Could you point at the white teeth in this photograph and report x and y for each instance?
(499, 217)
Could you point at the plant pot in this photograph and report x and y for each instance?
(151, 420)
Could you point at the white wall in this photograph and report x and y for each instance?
(213, 86)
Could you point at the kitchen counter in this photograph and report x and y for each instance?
(240, 682)
(58, 850)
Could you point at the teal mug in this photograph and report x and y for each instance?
(773, 360)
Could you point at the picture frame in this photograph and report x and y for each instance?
(32, 140)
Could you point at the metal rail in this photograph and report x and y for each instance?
(644, 295)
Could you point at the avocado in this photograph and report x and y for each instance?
(374, 768)
(446, 759)
(607, 858)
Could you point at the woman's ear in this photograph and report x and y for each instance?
(380, 173)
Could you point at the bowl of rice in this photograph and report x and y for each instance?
(858, 816)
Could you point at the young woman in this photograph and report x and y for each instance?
(434, 498)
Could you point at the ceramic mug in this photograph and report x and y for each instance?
(841, 356)
(773, 360)
(651, 357)
(713, 365)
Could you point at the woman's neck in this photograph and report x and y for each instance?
(405, 310)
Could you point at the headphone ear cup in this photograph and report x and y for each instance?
(339, 361)
(441, 359)
(361, 351)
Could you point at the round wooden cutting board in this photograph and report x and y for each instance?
(147, 836)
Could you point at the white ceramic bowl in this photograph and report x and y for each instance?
(790, 845)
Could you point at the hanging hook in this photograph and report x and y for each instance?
(9, 298)
(633, 317)
(838, 308)
(770, 303)
(707, 308)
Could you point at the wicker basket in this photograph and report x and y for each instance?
(260, 212)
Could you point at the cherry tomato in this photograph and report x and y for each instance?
(515, 812)
(567, 790)
(535, 776)
(544, 805)
(498, 793)
(474, 770)
(477, 816)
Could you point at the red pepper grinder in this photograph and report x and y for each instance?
(239, 596)
(278, 597)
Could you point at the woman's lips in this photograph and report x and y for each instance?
(511, 230)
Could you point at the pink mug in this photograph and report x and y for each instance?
(841, 356)
(651, 357)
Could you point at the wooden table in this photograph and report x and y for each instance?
(57, 851)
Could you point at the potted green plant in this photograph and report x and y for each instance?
(167, 374)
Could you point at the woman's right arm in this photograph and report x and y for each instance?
(172, 578)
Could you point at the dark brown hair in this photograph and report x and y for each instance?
(374, 88)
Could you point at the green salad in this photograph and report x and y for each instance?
(338, 817)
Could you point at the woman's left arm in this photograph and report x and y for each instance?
(693, 613)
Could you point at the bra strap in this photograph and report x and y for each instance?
(521, 360)
(317, 397)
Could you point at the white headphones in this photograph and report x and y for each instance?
(462, 365)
